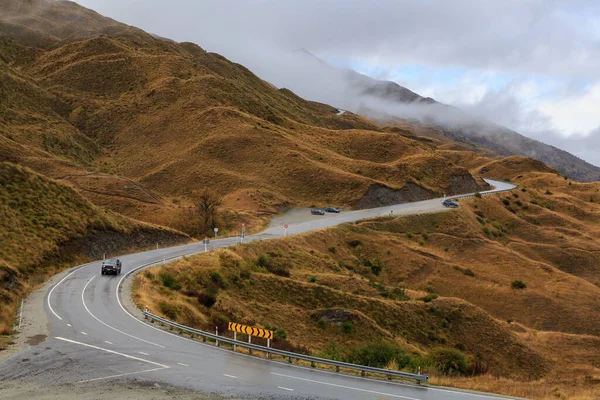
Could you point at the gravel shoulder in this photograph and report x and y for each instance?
(34, 325)
(93, 391)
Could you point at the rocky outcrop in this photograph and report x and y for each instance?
(460, 184)
(97, 243)
(379, 195)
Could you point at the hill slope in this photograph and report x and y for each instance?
(175, 120)
(385, 101)
(380, 280)
(45, 226)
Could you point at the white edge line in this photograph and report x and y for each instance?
(183, 365)
(52, 290)
(284, 388)
(107, 342)
(230, 376)
(141, 352)
(105, 324)
(111, 351)
(345, 387)
(119, 375)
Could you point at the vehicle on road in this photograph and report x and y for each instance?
(317, 211)
(332, 210)
(112, 266)
(450, 203)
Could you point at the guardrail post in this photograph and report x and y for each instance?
(289, 360)
(217, 333)
(312, 364)
(234, 338)
(337, 368)
(390, 377)
(363, 373)
(249, 341)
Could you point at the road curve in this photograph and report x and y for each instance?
(94, 338)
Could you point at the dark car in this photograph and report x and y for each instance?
(317, 211)
(112, 266)
(332, 210)
(450, 203)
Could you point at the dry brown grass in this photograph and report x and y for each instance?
(548, 241)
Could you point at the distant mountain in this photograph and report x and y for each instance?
(385, 101)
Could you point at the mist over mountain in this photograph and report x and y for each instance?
(385, 101)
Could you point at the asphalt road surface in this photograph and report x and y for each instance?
(93, 337)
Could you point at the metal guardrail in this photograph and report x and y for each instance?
(485, 193)
(287, 354)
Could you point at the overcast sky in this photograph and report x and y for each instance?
(530, 65)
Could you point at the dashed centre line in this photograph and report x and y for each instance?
(345, 387)
(230, 376)
(284, 388)
(69, 325)
(83, 333)
(107, 342)
(141, 352)
(182, 364)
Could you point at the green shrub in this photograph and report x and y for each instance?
(378, 355)
(218, 279)
(518, 285)
(281, 334)
(506, 202)
(348, 327)
(169, 281)
(425, 235)
(331, 352)
(321, 324)
(409, 235)
(312, 279)
(548, 191)
(429, 297)
(207, 299)
(478, 195)
(263, 261)
(448, 361)
(168, 309)
(523, 190)
(331, 250)
(376, 267)
(480, 220)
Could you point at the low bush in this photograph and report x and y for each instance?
(448, 361)
(429, 297)
(518, 285)
(169, 310)
(348, 327)
(281, 334)
(207, 298)
(170, 281)
(378, 355)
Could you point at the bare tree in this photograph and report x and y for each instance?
(207, 204)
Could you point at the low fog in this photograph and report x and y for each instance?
(545, 53)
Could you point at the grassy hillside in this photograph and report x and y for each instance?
(42, 226)
(91, 96)
(420, 283)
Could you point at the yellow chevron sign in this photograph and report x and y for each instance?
(248, 330)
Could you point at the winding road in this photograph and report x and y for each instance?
(95, 336)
